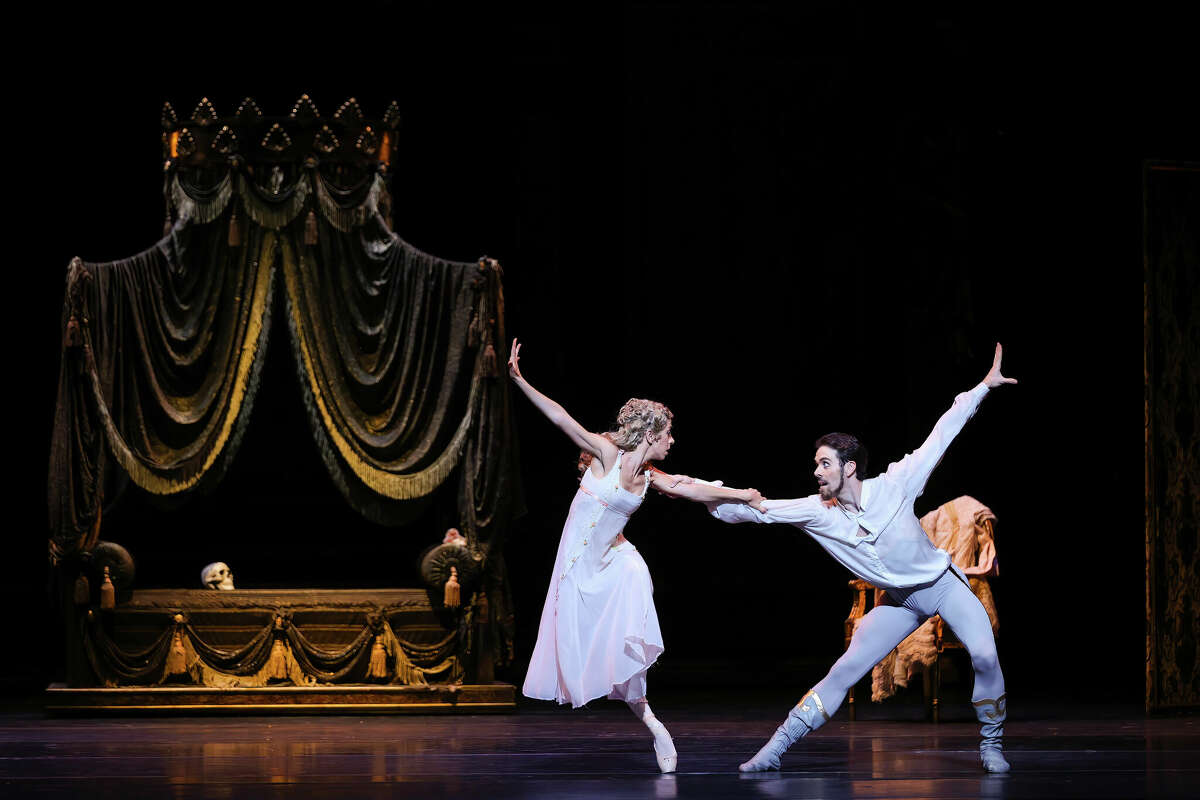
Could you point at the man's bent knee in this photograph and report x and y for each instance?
(985, 659)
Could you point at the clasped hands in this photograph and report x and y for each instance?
(751, 497)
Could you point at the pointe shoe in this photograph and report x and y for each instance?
(993, 760)
(664, 746)
(666, 755)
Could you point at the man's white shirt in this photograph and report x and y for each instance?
(884, 542)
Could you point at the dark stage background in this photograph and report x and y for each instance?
(780, 221)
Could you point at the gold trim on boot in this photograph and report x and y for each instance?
(991, 715)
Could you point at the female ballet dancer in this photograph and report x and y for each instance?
(599, 631)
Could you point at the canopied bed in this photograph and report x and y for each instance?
(399, 356)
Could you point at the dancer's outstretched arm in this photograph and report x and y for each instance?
(702, 491)
(798, 511)
(584, 439)
(916, 467)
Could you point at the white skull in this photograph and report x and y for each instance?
(217, 575)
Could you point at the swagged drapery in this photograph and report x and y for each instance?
(277, 651)
(161, 357)
(399, 355)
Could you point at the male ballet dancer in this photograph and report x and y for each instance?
(869, 526)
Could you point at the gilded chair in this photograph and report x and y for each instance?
(965, 528)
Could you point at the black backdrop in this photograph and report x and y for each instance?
(780, 221)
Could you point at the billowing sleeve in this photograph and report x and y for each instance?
(792, 512)
(914, 469)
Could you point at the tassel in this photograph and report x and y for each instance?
(167, 224)
(177, 657)
(452, 595)
(378, 665)
(235, 230)
(108, 593)
(310, 228)
(83, 590)
(277, 668)
(475, 330)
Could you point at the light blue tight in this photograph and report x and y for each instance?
(885, 626)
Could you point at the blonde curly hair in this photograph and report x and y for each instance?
(638, 418)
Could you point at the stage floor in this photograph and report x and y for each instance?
(597, 752)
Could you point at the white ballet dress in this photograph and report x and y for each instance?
(599, 631)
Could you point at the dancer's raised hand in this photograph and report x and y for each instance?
(585, 440)
(514, 356)
(756, 500)
(994, 378)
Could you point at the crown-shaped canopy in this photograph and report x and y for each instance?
(246, 136)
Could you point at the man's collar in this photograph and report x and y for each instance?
(863, 499)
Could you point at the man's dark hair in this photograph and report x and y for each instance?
(848, 448)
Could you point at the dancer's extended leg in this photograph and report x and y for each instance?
(880, 631)
(966, 616)
(664, 748)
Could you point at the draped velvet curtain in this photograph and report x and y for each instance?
(161, 357)
(1171, 270)
(399, 354)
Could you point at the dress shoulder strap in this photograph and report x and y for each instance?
(614, 473)
(616, 470)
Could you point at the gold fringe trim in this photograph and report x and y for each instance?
(277, 215)
(139, 469)
(273, 216)
(183, 660)
(409, 674)
(197, 211)
(346, 219)
(271, 670)
(397, 486)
